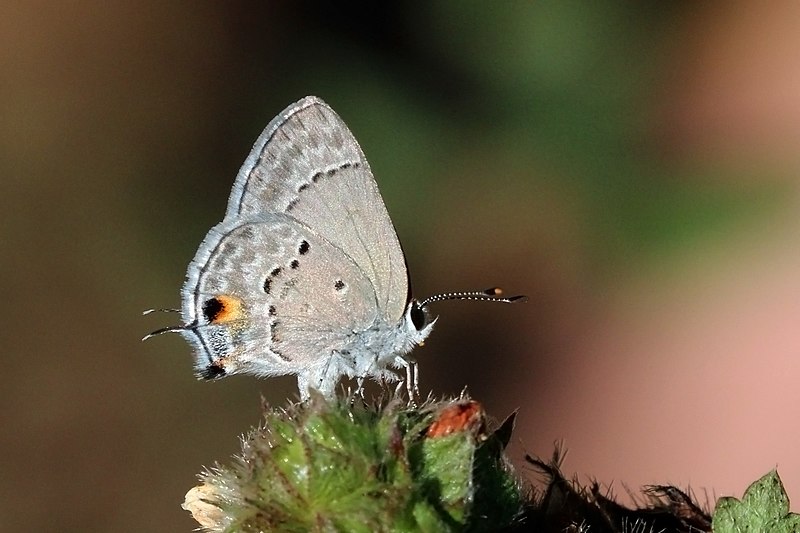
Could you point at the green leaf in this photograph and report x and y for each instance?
(764, 507)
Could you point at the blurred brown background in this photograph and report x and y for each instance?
(632, 167)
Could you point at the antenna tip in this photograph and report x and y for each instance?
(497, 292)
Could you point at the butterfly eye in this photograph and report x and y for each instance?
(418, 316)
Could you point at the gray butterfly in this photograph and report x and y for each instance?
(305, 274)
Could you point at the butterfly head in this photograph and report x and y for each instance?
(418, 322)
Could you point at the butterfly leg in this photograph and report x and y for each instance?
(360, 388)
(412, 377)
(328, 376)
(318, 379)
(303, 379)
(415, 372)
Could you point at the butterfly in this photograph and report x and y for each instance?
(305, 274)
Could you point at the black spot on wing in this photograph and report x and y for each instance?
(303, 248)
(268, 281)
(212, 371)
(212, 308)
(303, 187)
(279, 354)
(274, 335)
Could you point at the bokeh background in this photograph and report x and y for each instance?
(632, 167)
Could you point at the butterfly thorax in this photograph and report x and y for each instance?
(373, 352)
(380, 346)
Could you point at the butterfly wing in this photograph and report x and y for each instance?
(307, 165)
(266, 295)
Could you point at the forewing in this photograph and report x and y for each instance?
(308, 165)
(267, 295)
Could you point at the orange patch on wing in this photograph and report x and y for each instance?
(231, 309)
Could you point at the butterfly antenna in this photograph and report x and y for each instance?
(494, 294)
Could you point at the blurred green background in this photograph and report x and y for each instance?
(632, 167)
